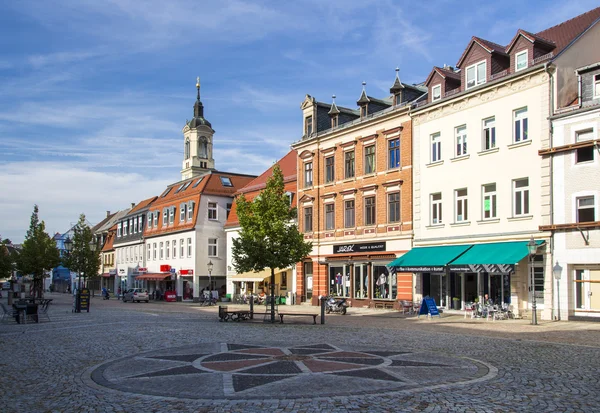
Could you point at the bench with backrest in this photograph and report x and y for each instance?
(314, 316)
(236, 315)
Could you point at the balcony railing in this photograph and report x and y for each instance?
(499, 75)
(542, 58)
(452, 92)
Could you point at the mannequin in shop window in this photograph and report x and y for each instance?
(347, 285)
(381, 281)
(338, 283)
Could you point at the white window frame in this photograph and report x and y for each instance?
(521, 124)
(140, 223)
(181, 248)
(525, 201)
(517, 55)
(182, 211)
(435, 147)
(213, 247)
(189, 247)
(308, 174)
(154, 251)
(492, 197)
(125, 227)
(165, 216)
(579, 207)
(119, 230)
(436, 207)
(190, 210)
(167, 249)
(460, 141)
(135, 225)
(174, 248)
(212, 207)
(161, 251)
(149, 252)
(149, 219)
(476, 81)
(155, 217)
(583, 135)
(434, 89)
(171, 214)
(461, 203)
(488, 124)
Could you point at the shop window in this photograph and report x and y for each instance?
(384, 283)
(339, 282)
(361, 282)
(349, 164)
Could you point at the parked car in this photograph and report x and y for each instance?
(135, 294)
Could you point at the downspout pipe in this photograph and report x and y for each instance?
(551, 133)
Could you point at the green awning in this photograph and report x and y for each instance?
(495, 257)
(428, 259)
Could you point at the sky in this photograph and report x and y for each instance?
(94, 93)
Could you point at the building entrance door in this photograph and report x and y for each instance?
(587, 290)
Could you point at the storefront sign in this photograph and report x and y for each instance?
(186, 272)
(165, 268)
(354, 248)
(142, 269)
(112, 272)
(422, 268)
(173, 271)
(122, 271)
(428, 307)
(489, 268)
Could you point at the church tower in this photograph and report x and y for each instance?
(197, 143)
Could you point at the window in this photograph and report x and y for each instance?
(394, 207)
(181, 248)
(585, 209)
(462, 210)
(197, 182)
(309, 125)
(212, 247)
(149, 219)
(182, 212)
(349, 164)
(489, 201)
(597, 86)
(228, 210)
(489, 134)
(186, 185)
(329, 169)
(436, 209)
(521, 196)
(394, 153)
(476, 74)
(189, 247)
(125, 227)
(119, 229)
(164, 194)
(190, 210)
(171, 215)
(167, 249)
(174, 248)
(225, 181)
(329, 216)
(538, 279)
(283, 280)
(165, 216)
(140, 223)
(161, 250)
(156, 214)
(584, 154)
(461, 141)
(349, 213)
(369, 159)
(136, 250)
(363, 111)
(186, 149)
(308, 174)
(436, 148)
(212, 210)
(384, 284)
(370, 210)
(521, 131)
(308, 225)
(127, 254)
(521, 60)
(398, 99)
(154, 251)
(436, 93)
(149, 252)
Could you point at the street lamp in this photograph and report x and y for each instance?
(210, 268)
(532, 246)
(557, 272)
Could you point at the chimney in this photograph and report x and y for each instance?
(107, 214)
(132, 204)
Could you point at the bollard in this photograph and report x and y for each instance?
(251, 307)
(323, 299)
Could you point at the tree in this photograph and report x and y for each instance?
(6, 259)
(38, 255)
(83, 258)
(269, 237)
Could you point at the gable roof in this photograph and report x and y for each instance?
(110, 239)
(533, 38)
(488, 46)
(113, 220)
(445, 73)
(143, 204)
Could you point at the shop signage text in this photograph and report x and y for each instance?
(354, 248)
(186, 272)
(122, 271)
(165, 268)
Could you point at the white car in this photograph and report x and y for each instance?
(135, 294)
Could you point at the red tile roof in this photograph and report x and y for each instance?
(564, 33)
(142, 204)
(442, 72)
(288, 165)
(108, 244)
(531, 37)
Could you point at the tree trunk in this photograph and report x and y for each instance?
(272, 286)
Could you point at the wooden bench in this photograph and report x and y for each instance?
(238, 315)
(314, 316)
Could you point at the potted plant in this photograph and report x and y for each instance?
(456, 303)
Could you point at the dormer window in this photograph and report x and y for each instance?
(597, 86)
(397, 99)
(476, 74)
(363, 111)
(334, 122)
(436, 93)
(521, 60)
(309, 125)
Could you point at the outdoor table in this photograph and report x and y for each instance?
(24, 310)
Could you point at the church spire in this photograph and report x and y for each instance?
(198, 106)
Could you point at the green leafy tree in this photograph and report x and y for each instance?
(84, 257)
(7, 262)
(38, 255)
(269, 236)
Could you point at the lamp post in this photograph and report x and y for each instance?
(210, 268)
(532, 246)
(557, 272)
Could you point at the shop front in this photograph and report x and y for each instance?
(156, 283)
(458, 275)
(187, 284)
(360, 272)
(258, 283)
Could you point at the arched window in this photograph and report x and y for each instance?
(203, 147)
(186, 152)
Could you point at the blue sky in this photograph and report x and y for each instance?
(94, 94)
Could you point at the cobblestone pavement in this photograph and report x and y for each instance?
(157, 357)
